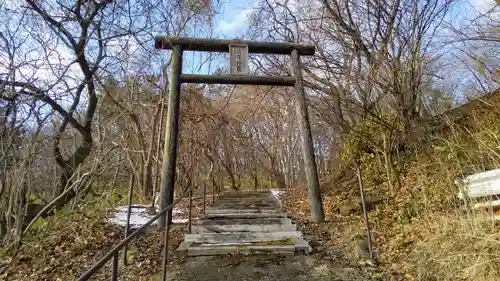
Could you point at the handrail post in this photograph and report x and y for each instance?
(365, 213)
(204, 196)
(165, 253)
(114, 268)
(127, 226)
(221, 187)
(190, 207)
(213, 190)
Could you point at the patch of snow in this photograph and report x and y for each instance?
(139, 216)
(174, 220)
(276, 193)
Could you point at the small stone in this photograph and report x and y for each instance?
(346, 208)
(360, 247)
(314, 243)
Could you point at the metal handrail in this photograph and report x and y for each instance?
(113, 253)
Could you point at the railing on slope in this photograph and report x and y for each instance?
(114, 253)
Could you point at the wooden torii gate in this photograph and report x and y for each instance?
(238, 50)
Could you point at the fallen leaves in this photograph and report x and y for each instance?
(333, 239)
(68, 247)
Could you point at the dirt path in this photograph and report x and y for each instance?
(267, 268)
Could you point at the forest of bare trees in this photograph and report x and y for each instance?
(83, 94)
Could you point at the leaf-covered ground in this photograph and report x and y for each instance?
(63, 250)
(334, 238)
(67, 246)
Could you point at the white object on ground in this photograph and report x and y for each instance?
(139, 216)
(277, 194)
(481, 185)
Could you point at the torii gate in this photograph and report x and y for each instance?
(238, 50)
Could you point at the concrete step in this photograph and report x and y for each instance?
(242, 201)
(241, 237)
(298, 246)
(214, 249)
(244, 228)
(236, 202)
(241, 204)
(240, 207)
(243, 215)
(259, 220)
(245, 194)
(248, 210)
(212, 210)
(244, 207)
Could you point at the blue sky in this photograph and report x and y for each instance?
(231, 22)
(233, 18)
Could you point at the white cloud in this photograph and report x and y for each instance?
(238, 22)
(483, 6)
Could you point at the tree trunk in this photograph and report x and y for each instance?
(147, 182)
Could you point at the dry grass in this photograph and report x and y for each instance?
(455, 250)
(423, 232)
(429, 236)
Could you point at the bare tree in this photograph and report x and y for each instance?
(55, 56)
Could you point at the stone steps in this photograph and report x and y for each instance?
(244, 222)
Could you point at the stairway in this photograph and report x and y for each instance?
(248, 222)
